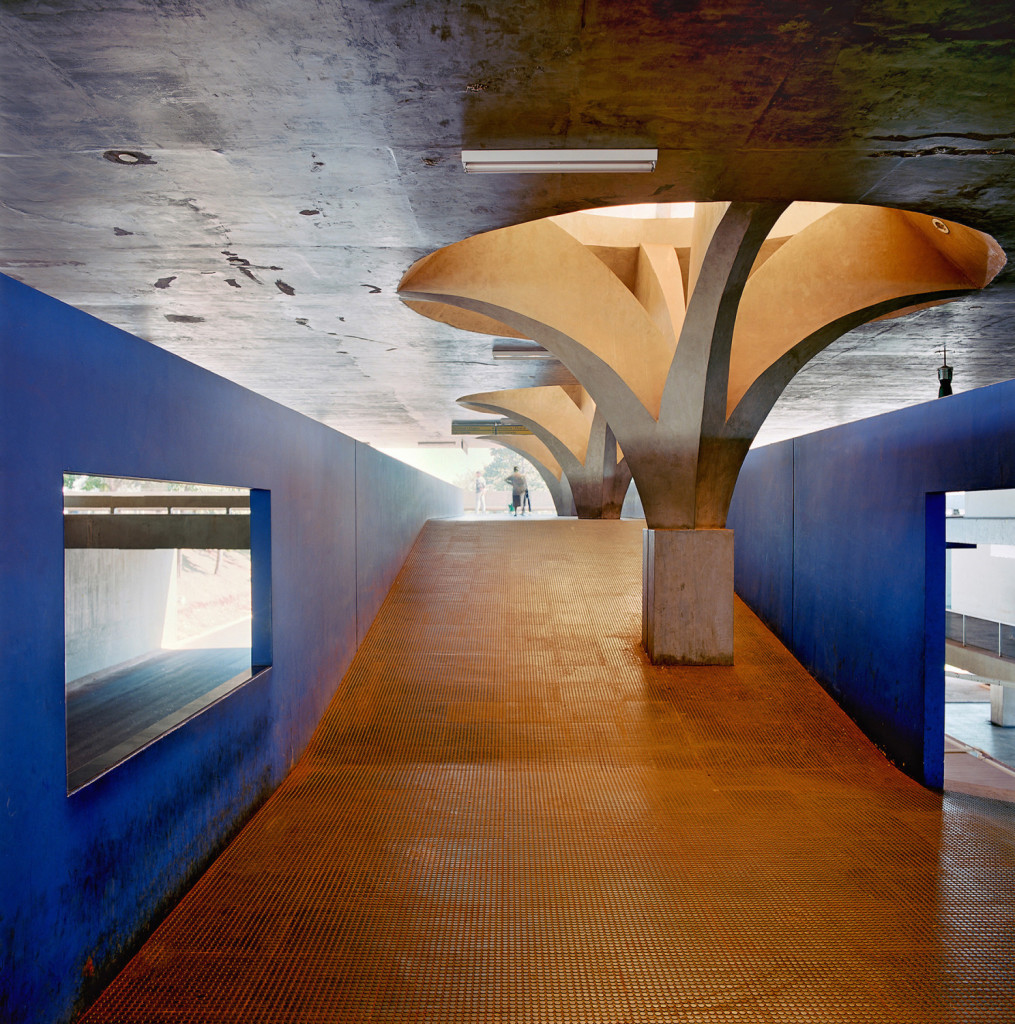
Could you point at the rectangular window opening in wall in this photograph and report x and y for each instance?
(167, 600)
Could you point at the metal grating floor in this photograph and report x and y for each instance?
(507, 814)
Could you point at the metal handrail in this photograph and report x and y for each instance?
(995, 648)
(157, 504)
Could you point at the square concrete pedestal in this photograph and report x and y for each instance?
(687, 597)
(1002, 704)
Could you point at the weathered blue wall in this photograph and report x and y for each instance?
(840, 549)
(384, 532)
(82, 877)
(761, 516)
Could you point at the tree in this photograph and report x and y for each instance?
(502, 461)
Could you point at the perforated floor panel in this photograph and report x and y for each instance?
(508, 815)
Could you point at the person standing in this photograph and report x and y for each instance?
(480, 492)
(519, 485)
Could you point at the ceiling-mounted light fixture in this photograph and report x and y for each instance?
(944, 375)
(559, 161)
(520, 350)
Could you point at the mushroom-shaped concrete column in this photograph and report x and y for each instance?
(576, 433)
(685, 332)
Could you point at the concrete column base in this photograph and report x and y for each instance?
(1002, 704)
(687, 597)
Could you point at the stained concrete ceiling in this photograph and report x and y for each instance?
(243, 182)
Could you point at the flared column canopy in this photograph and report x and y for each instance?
(686, 329)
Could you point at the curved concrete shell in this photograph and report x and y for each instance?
(685, 331)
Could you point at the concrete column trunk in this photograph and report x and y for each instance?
(687, 596)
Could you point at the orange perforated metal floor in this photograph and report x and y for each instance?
(508, 815)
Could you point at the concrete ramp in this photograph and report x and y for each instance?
(508, 814)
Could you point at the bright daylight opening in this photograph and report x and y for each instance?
(648, 211)
(979, 636)
(796, 217)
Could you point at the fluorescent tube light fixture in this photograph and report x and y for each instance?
(559, 161)
(520, 350)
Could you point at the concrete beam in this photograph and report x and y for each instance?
(973, 530)
(1000, 672)
(144, 532)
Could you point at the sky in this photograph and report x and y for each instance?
(449, 464)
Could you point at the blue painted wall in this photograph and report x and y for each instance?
(83, 877)
(385, 527)
(840, 549)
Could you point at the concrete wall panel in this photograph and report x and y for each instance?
(116, 604)
(84, 876)
(983, 583)
(867, 559)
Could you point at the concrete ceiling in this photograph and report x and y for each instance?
(243, 182)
